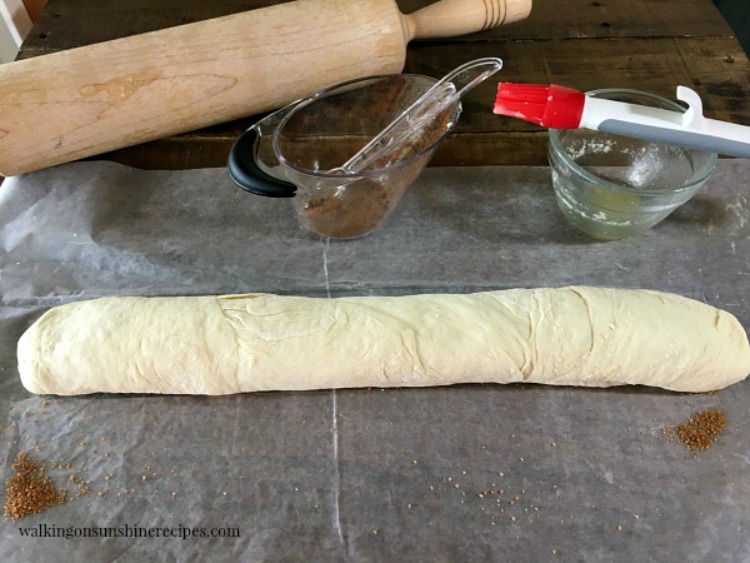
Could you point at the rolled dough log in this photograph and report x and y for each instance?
(586, 336)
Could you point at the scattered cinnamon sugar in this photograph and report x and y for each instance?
(30, 490)
(700, 431)
(490, 492)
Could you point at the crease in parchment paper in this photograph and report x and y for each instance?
(336, 508)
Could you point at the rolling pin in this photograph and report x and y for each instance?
(85, 101)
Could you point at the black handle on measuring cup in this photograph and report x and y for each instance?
(247, 174)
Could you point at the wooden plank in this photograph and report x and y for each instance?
(65, 24)
(649, 44)
(722, 73)
(606, 19)
(715, 67)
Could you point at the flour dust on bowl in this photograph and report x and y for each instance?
(612, 187)
(304, 150)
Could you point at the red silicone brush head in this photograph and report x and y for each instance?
(552, 106)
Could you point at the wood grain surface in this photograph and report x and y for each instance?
(645, 44)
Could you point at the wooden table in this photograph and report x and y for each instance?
(646, 44)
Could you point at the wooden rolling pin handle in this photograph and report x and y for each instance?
(458, 17)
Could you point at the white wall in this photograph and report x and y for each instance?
(14, 26)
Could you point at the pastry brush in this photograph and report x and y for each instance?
(559, 107)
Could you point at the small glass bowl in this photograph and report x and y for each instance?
(612, 187)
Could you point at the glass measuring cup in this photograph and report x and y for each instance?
(298, 152)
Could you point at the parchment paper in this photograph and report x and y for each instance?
(370, 475)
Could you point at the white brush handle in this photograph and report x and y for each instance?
(690, 129)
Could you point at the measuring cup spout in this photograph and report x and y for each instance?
(252, 159)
